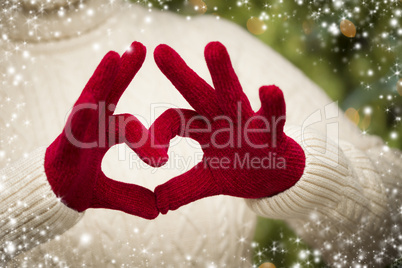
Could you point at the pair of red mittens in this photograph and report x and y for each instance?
(239, 145)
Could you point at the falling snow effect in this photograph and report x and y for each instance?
(378, 88)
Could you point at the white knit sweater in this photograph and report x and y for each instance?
(347, 203)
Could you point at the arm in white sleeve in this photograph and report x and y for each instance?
(30, 213)
(347, 203)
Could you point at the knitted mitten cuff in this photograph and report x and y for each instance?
(30, 213)
(340, 194)
(326, 186)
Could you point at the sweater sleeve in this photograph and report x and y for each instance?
(30, 213)
(347, 202)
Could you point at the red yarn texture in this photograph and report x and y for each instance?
(235, 140)
(246, 153)
(74, 169)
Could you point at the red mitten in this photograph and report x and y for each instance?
(246, 154)
(73, 160)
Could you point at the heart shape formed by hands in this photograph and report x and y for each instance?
(246, 154)
(235, 140)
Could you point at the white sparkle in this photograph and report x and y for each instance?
(61, 13)
(10, 248)
(96, 46)
(148, 19)
(368, 110)
(85, 239)
(358, 46)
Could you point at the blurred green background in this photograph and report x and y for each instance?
(362, 72)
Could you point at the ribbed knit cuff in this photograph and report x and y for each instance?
(325, 184)
(340, 194)
(30, 213)
(329, 185)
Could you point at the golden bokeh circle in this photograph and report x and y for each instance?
(256, 26)
(267, 265)
(347, 28)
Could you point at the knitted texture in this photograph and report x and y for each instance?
(31, 213)
(339, 193)
(208, 231)
(246, 154)
(73, 160)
